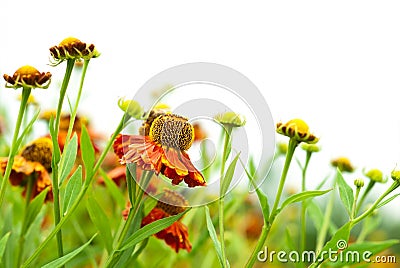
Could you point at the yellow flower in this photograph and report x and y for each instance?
(72, 48)
(28, 77)
(375, 175)
(296, 129)
(231, 119)
(343, 163)
(395, 175)
(31, 100)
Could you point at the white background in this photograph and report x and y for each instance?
(334, 64)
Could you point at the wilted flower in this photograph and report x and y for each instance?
(163, 150)
(32, 164)
(28, 77)
(231, 119)
(296, 129)
(176, 236)
(72, 48)
(343, 163)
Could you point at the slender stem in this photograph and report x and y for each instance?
(80, 196)
(13, 150)
(325, 224)
(20, 250)
(78, 98)
(267, 225)
(225, 152)
(364, 231)
(303, 204)
(55, 161)
(364, 195)
(353, 210)
(395, 185)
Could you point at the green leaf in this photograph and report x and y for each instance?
(99, 218)
(3, 244)
(113, 189)
(355, 253)
(66, 258)
(342, 234)
(387, 201)
(262, 198)
(346, 192)
(72, 190)
(33, 209)
(316, 215)
(213, 235)
(27, 129)
(228, 176)
(68, 158)
(303, 196)
(87, 152)
(151, 229)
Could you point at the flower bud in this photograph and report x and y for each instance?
(359, 183)
(231, 119)
(131, 107)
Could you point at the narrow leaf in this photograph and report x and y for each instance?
(387, 201)
(115, 192)
(3, 243)
(316, 215)
(87, 152)
(228, 176)
(68, 158)
(303, 196)
(342, 235)
(99, 218)
(34, 208)
(54, 139)
(346, 192)
(151, 229)
(66, 258)
(72, 190)
(213, 235)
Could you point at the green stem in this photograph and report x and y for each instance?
(80, 196)
(362, 199)
(55, 157)
(267, 225)
(145, 179)
(325, 224)
(303, 204)
(20, 250)
(225, 153)
(395, 185)
(78, 98)
(353, 210)
(13, 150)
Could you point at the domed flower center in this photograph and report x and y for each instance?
(40, 151)
(301, 126)
(26, 70)
(69, 40)
(172, 202)
(172, 131)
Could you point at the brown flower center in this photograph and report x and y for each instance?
(172, 202)
(172, 131)
(40, 151)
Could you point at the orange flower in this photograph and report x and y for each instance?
(28, 76)
(24, 170)
(176, 236)
(163, 150)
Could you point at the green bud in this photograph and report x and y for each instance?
(231, 119)
(131, 107)
(359, 183)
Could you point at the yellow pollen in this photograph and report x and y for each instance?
(27, 70)
(40, 151)
(301, 126)
(69, 40)
(172, 131)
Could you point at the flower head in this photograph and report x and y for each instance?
(163, 150)
(231, 119)
(176, 236)
(375, 175)
(296, 129)
(311, 148)
(72, 48)
(28, 77)
(343, 164)
(24, 170)
(41, 151)
(160, 109)
(395, 174)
